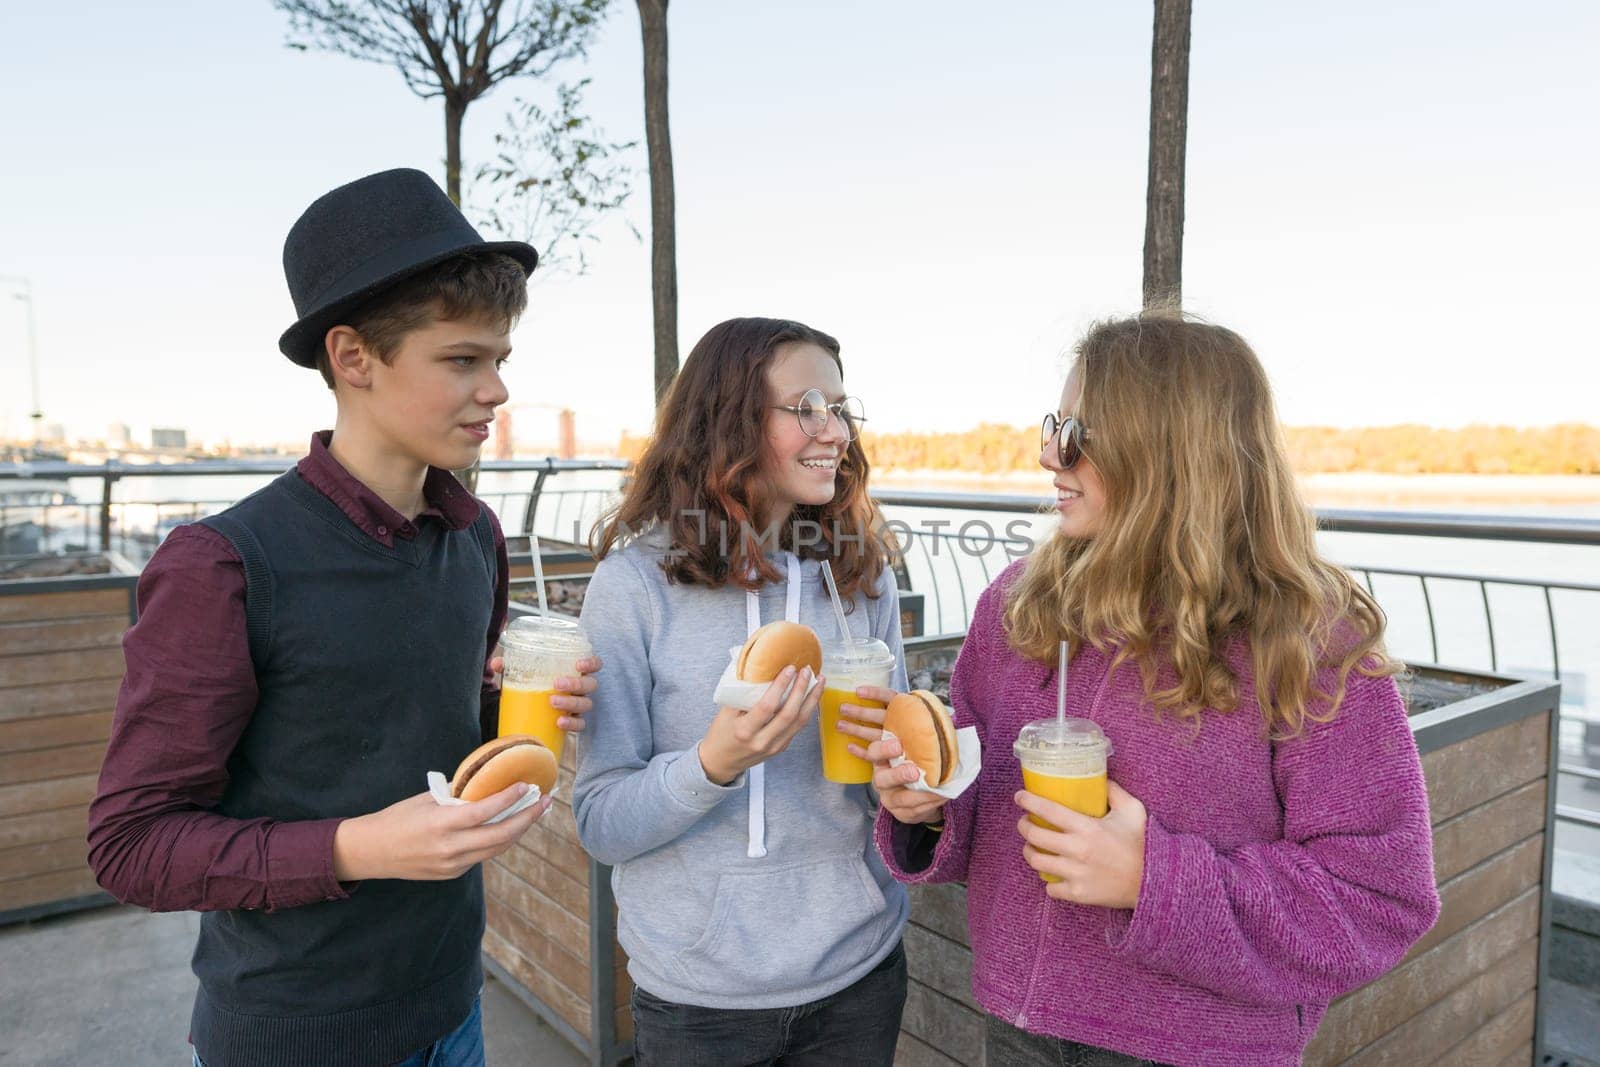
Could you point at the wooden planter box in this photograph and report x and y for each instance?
(541, 895)
(60, 666)
(1467, 993)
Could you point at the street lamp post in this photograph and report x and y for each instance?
(24, 293)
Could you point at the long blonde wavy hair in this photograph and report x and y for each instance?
(1204, 540)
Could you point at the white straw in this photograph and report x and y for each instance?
(1061, 688)
(838, 608)
(538, 574)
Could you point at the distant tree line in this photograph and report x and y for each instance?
(992, 448)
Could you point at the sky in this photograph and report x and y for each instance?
(1394, 202)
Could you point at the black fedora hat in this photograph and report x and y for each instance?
(364, 237)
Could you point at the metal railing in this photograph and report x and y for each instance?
(107, 524)
(950, 566)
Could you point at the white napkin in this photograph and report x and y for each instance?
(439, 786)
(732, 693)
(969, 761)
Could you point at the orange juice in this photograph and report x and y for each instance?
(846, 665)
(838, 765)
(528, 711)
(538, 650)
(1064, 761)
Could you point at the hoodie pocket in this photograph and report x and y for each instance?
(790, 928)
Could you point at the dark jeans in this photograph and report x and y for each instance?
(856, 1027)
(1006, 1046)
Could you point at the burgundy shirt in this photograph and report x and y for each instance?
(188, 695)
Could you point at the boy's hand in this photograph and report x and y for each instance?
(573, 699)
(421, 840)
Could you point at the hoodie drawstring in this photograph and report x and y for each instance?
(757, 775)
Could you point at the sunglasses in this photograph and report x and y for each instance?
(1069, 435)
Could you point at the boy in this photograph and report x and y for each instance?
(303, 659)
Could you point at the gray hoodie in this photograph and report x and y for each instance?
(702, 921)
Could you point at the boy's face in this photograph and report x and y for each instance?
(434, 401)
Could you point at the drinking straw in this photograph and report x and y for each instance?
(838, 608)
(538, 574)
(1061, 691)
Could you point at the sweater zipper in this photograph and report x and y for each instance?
(1038, 958)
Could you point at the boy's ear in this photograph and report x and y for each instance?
(349, 359)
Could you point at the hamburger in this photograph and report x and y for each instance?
(778, 645)
(927, 733)
(492, 767)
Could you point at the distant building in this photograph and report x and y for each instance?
(169, 438)
(52, 431)
(118, 435)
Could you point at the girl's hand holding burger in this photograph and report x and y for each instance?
(738, 740)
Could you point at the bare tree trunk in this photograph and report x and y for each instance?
(663, 238)
(1169, 128)
(453, 114)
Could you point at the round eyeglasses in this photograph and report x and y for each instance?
(813, 410)
(1069, 435)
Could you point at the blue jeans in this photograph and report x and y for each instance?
(856, 1027)
(461, 1047)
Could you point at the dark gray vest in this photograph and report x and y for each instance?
(369, 662)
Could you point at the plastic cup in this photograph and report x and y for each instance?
(537, 651)
(1064, 760)
(864, 661)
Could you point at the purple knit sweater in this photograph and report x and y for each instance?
(1276, 875)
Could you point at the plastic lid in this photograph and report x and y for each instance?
(1072, 746)
(862, 653)
(546, 633)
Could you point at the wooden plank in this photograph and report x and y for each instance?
(44, 826)
(26, 735)
(566, 930)
(561, 888)
(59, 698)
(63, 761)
(44, 857)
(44, 888)
(1464, 775)
(566, 856)
(939, 963)
(1522, 1057)
(559, 820)
(1463, 1011)
(40, 668)
(62, 635)
(624, 1021)
(941, 908)
(27, 797)
(1381, 1006)
(1506, 1035)
(943, 1023)
(28, 607)
(571, 971)
(536, 981)
(910, 1052)
(1475, 835)
(1475, 893)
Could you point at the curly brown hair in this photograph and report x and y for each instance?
(700, 477)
